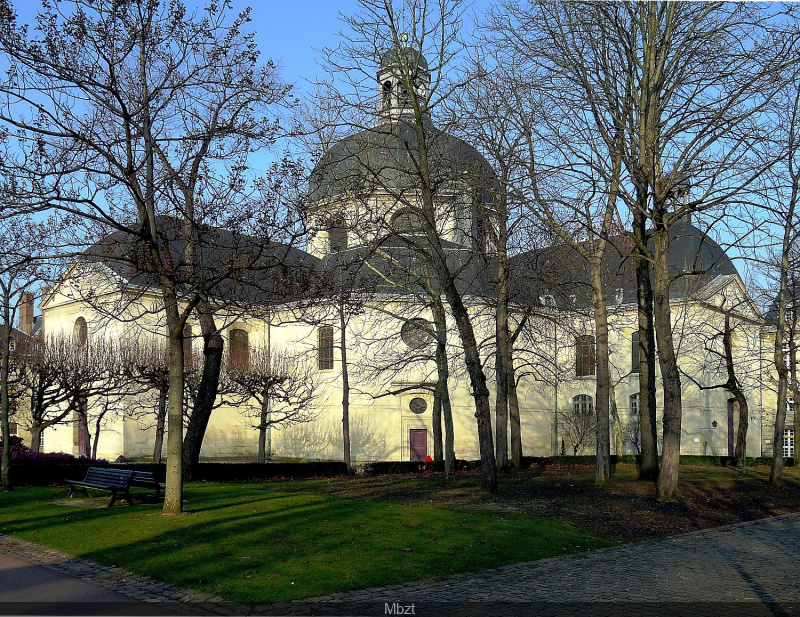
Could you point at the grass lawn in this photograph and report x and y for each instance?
(260, 543)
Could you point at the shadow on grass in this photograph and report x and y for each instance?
(262, 548)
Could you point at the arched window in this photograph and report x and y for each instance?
(407, 221)
(584, 355)
(386, 94)
(634, 405)
(240, 348)
(583, 405)
(325, 348)
(80, 332)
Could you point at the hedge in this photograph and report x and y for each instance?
(56, 472)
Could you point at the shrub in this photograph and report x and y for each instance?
(21, 453)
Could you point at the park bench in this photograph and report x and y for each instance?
(145, 479)
(112, 481)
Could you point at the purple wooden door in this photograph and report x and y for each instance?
(730, 427)
(418, 442)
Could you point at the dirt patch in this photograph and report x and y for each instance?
(625, 509)
(82, 502)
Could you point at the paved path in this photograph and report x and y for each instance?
(748, 569)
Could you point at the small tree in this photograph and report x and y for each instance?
(274, 388)
(20, 268)
(577, 426)
(147, 364)
(61, 375)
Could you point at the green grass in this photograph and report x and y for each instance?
(260, 543)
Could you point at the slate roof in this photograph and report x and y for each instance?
(236, 267)
(391, 57)
(385, 156)
(562, 274)
(793, 290)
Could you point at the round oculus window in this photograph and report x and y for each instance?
(416, 333)
(418, 405)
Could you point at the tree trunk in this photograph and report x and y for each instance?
(262, 430)
(36, 437)
(5, 405)
(213, 346)
(443, 377)
(796, 419)
(345, 390)
(480, 391)
(161, 416)
(792, 385)
(648, 469)
(619, 449)
(670, 459)
(740, 452)
(438, 452)
(96, 439)
(84, 449)
(776, 471)
(603, 460)
(173, 495)
(501, 369)
(513, 414)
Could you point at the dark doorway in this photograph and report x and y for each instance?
(418, 442)
(731, 411)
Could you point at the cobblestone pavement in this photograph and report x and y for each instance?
(748, 569)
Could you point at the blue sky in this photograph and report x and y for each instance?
(291, 32)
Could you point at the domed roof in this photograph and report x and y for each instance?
(693, 251)
(391, 57)
(385, 157)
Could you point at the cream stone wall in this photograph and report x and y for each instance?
(365, 219)
(380, 363)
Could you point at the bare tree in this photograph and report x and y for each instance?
(420, 171)
(147, 363)
(275, 389)
(715, 361)
(781, 209)
(577, 426)
(571, 154)
(145, 117)
(61, 374)
(673, 117)
(21, 239)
